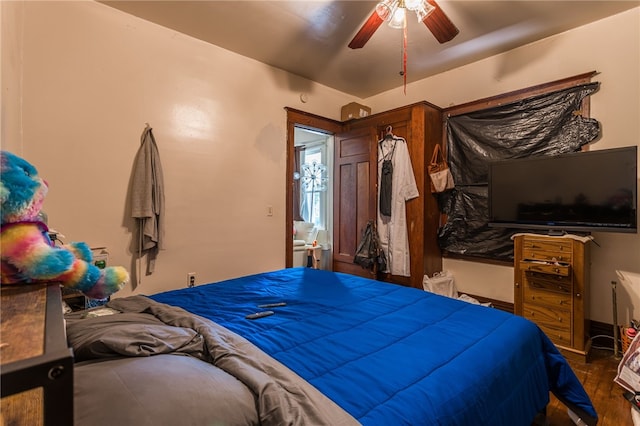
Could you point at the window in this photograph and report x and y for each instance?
(314, 183)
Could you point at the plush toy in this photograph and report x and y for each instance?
(27, 253)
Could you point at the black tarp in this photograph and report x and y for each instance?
(548, 124)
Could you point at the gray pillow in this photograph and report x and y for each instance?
(159, 390)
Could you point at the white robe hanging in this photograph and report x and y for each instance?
(392, 231)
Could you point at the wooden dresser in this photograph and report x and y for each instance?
(36, 364)
(551, 288)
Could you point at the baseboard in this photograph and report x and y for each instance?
(601, 328)
(601, 334)
(498, 304)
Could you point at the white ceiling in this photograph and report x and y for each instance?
(310, 38)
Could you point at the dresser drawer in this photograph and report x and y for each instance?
(560, 336)
(558, 283)
(553, 268)
(549, 292)
(556, 323)
(557, 250)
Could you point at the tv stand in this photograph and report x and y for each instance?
(551, 288)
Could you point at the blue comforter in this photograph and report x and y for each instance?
(392, 355)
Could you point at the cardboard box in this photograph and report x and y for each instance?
(354, 110)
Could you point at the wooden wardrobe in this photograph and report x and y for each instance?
(355, 188)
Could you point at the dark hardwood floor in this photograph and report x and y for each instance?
(597, 379)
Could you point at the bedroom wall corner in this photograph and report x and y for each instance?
(11, 32)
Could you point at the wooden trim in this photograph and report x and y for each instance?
(520, 94)
(498, 304)
(312, 121)
(456, 256)
(297, 118)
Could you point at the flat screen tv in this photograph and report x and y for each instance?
(589, 191)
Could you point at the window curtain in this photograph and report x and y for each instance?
(297, 160)
(548, 124)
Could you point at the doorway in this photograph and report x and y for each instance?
(312, 195)
(313, 177)
(309, 178)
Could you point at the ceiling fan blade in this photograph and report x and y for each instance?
(367, 30)
(440, 25)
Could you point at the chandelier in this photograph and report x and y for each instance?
(313, 177)
(313, 180)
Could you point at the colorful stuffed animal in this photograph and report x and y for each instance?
(26, 251)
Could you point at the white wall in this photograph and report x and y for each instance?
(89, 77)
(611, 47)
(92, 76)
(11, 15)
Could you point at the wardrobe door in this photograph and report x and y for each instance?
(354, 196)
(356, 188)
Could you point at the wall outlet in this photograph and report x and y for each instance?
(191, 279)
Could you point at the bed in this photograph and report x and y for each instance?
(342, 350)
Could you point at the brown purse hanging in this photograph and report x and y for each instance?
(441, 177)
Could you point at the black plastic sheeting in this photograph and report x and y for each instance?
(541, 125)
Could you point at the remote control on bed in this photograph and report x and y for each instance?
(259, 315)
(273, 305)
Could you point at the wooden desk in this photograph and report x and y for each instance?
(36, 364)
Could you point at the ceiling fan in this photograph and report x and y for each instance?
(394, 11)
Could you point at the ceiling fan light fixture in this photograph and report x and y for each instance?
(395, 11)
(385, 9)
(398, 19)
(413, 4)
(427, 11)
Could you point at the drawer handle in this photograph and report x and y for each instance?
(517, 285)
(559, 319)
(578, 295)
(557, 270)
